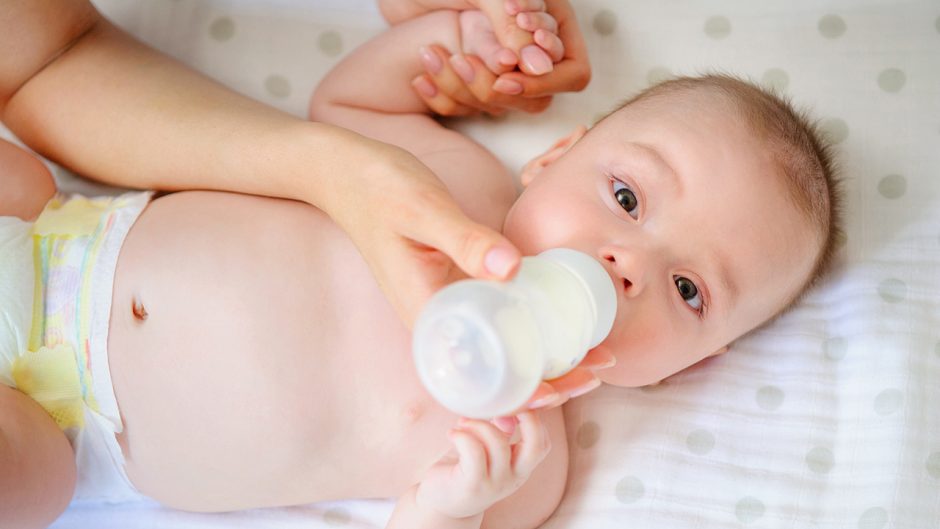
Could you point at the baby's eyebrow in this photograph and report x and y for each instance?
(658, 159)
(725, 278)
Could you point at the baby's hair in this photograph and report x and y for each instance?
(797, 145)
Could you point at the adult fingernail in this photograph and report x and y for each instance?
(424, 86)
(610, 363)
(547, 400)
(506, 57)
(536, 60)
(431, 61)
(585, 389)
(463, 68)
(500, 261)
(506, 86)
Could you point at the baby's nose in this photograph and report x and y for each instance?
(627, 268)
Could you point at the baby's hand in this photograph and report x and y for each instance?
(505, 33)
(487, 468)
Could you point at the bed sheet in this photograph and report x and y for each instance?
(826, 419)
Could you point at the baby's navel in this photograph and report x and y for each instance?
(138, 309)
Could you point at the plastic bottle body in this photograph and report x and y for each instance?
(481, 347)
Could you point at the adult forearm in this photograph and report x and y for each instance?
(408, 515)
(120, 112)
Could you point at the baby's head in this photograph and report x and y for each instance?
(709, 201)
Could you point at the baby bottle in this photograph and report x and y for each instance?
(482, 347)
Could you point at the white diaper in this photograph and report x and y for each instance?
(56, 279)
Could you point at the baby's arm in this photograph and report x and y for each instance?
(370, 92)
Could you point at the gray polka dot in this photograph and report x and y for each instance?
(892, 290)
(776, 79)
(936, 24)
(749, 509)
(605, 22)
(330, 43)
(933, 465)
(277, 86)
(820, 460)
(936, 349)
(831, 26)
(892, 186)
(874, 518)
(588, 434)
(629, 490)
(222, 29)
(770, 397)
(337, 516)
(888, 401)
(700, 442)
(658, 74)
(891, 80)
(835, 130)
(718, 27)
(835, 348)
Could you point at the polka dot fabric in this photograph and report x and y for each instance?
(826, 419)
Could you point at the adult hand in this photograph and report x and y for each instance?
(411, 232)
(465, 85)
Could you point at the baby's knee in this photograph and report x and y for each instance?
(38, 473)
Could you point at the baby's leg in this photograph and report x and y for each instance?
(27, 184)
(37, 465)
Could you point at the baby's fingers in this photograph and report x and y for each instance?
(533, 446)
(472, 463)
(496, 443)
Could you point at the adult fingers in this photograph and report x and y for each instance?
(551, 43)
(439, 102)
(573, 72)
(451, 77)
(483, 87)
(599, 357)
(478, 250)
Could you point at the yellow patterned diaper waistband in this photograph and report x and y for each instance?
(56, 370)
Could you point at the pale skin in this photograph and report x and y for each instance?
(366, 428)
(195, 125)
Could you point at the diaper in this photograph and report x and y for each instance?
(55, 307)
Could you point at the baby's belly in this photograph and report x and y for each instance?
(256, 362)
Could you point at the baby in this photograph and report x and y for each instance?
(219, 351)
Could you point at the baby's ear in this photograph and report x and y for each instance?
(721, 350)
(535, 166)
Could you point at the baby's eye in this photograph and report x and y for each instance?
(689, 292)
(626, 198)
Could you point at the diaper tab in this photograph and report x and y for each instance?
(49, 375)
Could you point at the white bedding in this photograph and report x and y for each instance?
(826, 419)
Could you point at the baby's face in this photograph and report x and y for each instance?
(687, 213)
